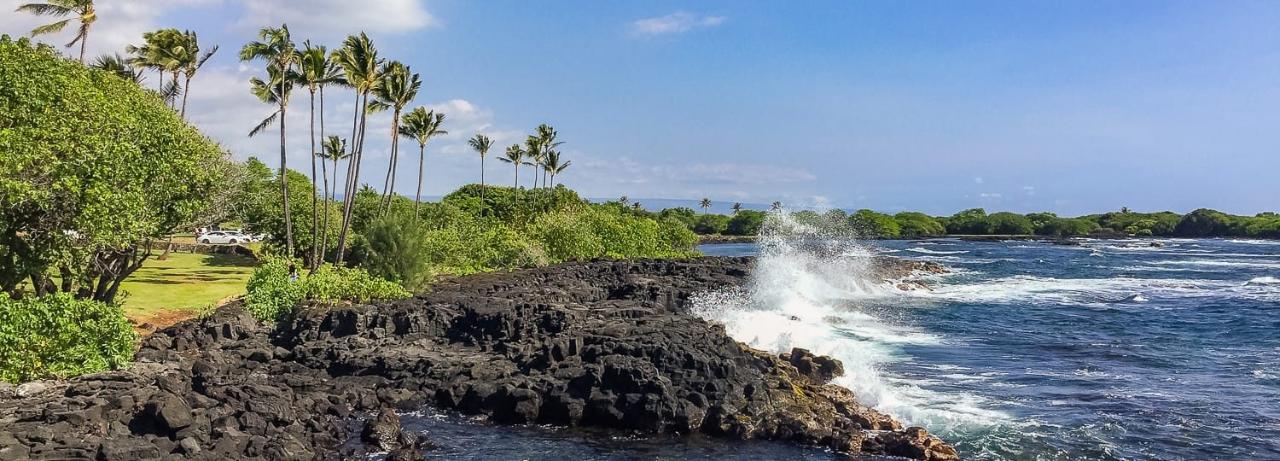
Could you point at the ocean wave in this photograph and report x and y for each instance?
(1255, 242)
(935, 252)
(1222, 263)
(800, 297)
(1263, 281)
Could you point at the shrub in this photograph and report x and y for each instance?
(711, 224)
(870, 224)
(270, 294)
(59, 336)
(745, 222)
(396, 250)
(913, 224)
(1005, 223)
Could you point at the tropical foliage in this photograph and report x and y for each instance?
(57, 336)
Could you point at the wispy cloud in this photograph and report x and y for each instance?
(674, 23)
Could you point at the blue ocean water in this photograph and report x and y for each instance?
(1110, 350)
(1113, 349)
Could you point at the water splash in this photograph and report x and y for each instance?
(811, 287)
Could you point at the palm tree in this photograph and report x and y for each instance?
(315, 70)
(636, 206)
(736, 207)
(396, 89)
(277, 49)
(481, 144)
(775, 206)
(82, 9)
(334, 149)
(360, 63)
(118, 65)
(514, 155)
(552, 166)
(705, 204)
(161, 51)
(421, 125)
(546, 141)
(189, 61)
(623, 200)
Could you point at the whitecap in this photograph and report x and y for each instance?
(934, 252)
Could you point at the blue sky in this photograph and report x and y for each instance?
(1070, 107)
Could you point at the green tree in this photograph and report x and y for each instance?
(745, 222)
(1203, 223)
(1005, 223)
(82, 10)
(159, 52)
(277, 49)
(870, 224)
(360, 64)
(736, 207)
(972, 221)
(514, 155)
(396, 88)
(547, 142)
(705, 204)
(88, 220)
(913, 224)
(421, 125)
(708, 224)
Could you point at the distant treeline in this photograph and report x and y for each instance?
(976, 221)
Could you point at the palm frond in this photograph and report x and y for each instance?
(264, 124)
(50, 28)
(44, 9)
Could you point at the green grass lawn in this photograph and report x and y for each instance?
(184, 282)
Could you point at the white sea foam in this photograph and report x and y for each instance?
(1222, 263)
(1255, 242)
(807, 292)
(1263, 281)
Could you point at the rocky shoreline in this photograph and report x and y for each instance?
(605, 344)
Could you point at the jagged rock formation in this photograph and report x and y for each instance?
(603, 344)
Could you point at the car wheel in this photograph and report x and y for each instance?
(233, 242)
(204, 241)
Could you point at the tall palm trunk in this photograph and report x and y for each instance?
(517, 179)
(84, 38)
(346, 190)
(390, 183)
(186, 90)
(422, 162)
(482, 188)
(354, 179)
(315, 201)
(284, 188)
(324, 231)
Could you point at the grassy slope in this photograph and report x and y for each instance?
(184, 282)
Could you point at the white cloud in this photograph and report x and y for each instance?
(327, 19)
(1029, 190)
(674, 23)
(991, 195)
(120, 22)
(978, 180)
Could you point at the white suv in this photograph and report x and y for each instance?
(223, 237)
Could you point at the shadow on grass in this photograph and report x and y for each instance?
(228, 260)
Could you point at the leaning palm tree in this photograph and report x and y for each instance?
(189, 61)
(334, 149)
(396, 89)
(314, 71)
(421, 125)
(118, 65)
(775, 206)
(277, 49)
(514, 155)
(481, 144)
(360, 64)
(552, 166)
(82, 9)
(736, 207)
(705, 203)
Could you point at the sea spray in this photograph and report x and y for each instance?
(809, 288)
